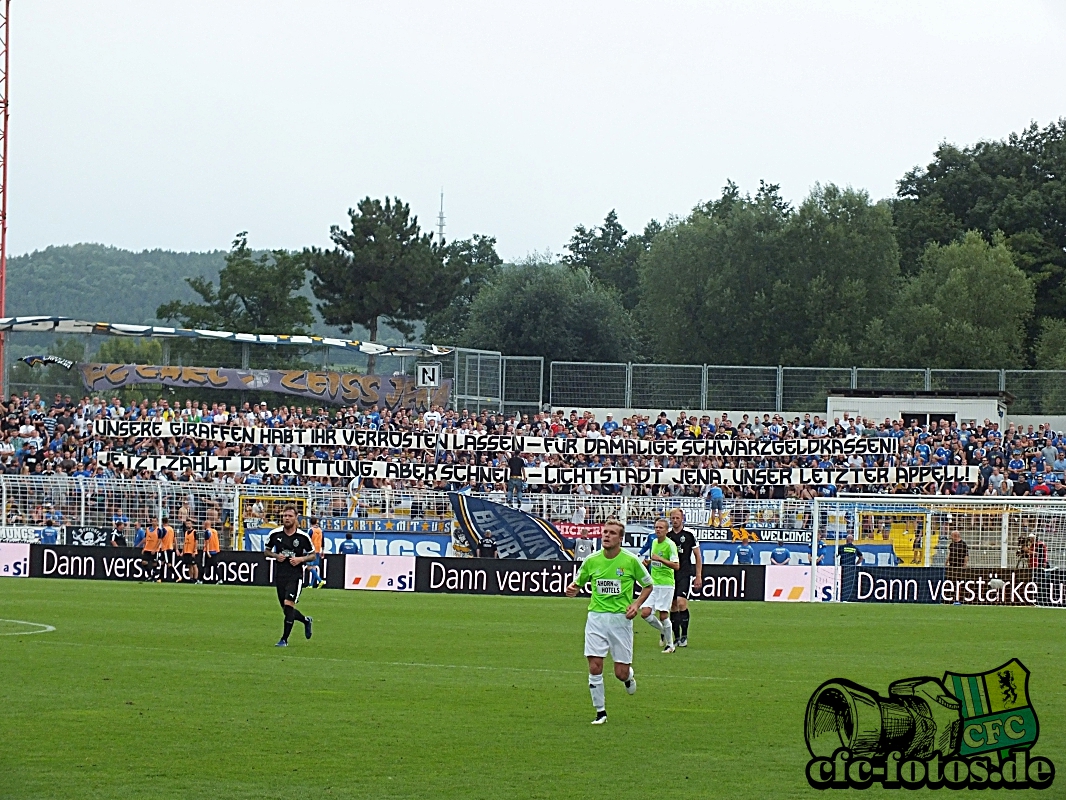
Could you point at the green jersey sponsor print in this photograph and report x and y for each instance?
(662, 575)
(612, 580)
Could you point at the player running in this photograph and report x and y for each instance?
(664, 563)
(291, 548)
(687, 575)
(612, 572)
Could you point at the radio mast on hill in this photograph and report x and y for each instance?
(440, 216)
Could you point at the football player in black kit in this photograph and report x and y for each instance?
(291, 548)
(686, 575)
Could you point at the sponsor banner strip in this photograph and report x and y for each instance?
(548, 475)
(415, 440)
(124, 564)
(550, 578)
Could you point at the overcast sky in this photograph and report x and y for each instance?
(148, 124)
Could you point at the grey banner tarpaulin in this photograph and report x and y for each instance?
(335, 388)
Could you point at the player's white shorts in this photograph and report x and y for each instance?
(660, 599)
(609, 633)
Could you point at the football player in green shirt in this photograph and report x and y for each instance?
(664, 562)
(612, 572)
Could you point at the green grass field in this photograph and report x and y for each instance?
(176, 691)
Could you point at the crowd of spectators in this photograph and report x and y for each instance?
(56, 438)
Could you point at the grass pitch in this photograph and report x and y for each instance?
(153, 691)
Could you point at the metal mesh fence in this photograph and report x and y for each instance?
(478, 380)
(523, 378)
(965, 379)
(741, 388)
(666, 386)
(589, 384)
(890, 379)
(806, 388)
(1037, 391)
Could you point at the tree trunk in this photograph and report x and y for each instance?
(371, 360)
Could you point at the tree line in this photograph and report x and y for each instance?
(964, 268)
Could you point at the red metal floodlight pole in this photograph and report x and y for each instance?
(5, 28)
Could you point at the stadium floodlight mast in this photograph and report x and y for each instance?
(5, 17)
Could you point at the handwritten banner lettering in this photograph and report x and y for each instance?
(416, 440)
(545, 475)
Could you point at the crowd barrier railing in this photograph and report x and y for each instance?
(998, 532)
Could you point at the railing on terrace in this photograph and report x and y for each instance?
(993, 528)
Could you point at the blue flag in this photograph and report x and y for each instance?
(517, 534)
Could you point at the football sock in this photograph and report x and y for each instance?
(653, 620)
(296, 615)
(668, 632)
(684, 622)
(627, 680)
(288, 628)
(675, 621)
(596, 688)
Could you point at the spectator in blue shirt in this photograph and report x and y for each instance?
(780, 555)
(49, 535)
(745, 552)
(610, 426)
(716, 496)
(348, 546)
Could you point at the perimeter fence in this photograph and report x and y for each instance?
(784, 389)
(906, 530)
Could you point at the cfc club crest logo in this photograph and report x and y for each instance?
(965, 731)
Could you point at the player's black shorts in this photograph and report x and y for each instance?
(188, 559)
(682, 582)
(289, 589)
(207, 559)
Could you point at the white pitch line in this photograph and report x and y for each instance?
(43, 628)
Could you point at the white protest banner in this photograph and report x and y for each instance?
(491, 443)
(549, 475)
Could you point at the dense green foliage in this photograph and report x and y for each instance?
(611, 255)
(551, 310)
(1016, 186)
(255, 294)
(149, 691)
(479, 265)
(385, 268)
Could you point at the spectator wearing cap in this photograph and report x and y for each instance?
(609, 426)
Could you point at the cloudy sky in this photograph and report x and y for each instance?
(144, 123)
